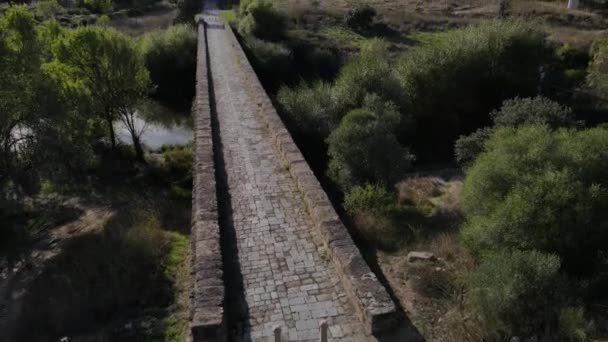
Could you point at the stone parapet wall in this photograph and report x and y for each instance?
(374, 305)
(207, 292)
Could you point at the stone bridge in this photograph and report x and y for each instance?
(268, 248)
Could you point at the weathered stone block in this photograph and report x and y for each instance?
(333, 231)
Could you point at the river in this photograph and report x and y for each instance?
(161, 126)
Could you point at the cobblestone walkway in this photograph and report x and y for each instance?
(287, 281)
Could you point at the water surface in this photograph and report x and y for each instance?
(160, 125)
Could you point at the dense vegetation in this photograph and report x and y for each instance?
(64, 89)
(62, 93)
(539, 193)
(277, 58)
(506, 104)
(463, 69)
(170, 56)
(528, 257)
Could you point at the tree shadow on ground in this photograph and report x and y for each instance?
(100, 280)
(31, 225)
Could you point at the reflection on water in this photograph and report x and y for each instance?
(161, 126)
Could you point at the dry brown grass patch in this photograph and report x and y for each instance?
(381, 230)
(432, 195)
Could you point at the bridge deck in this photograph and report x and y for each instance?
(287, 280)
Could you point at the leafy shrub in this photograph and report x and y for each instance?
(538, 110)
(370, 197)
(573, 325)
(260, 19)
(369, 73)
(468, 147)
(178, 160)
(48, 8)
(103, 20)
(377, 216)
(316, 110)
(170, 57)
(455, 82)
(573, 57)
(177, 169)
(271, 60)
(99, 6)
(597, 79)
(243, 5)
(515, 113)
(361, 17)
(312, 63)
(309, 110)
(515, 293)
(535, 188)
(364, 148)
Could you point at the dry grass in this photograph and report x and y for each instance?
(130, 269)
(382, 231)
(431, 292)
(420, 191)
(151, 21)
(432, 195)
(574, 37)
(575, 27)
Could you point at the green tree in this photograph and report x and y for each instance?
(309, 110)
(41, 128)
(316, 110)
(515, 294)
(515, 113)
(20, 61)
(259, 18)
(536, 188)
(468, 147)
(364, 148)
(537, 110)
(371, 72)
(455, 82)
(170, 57)
(109, 65)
